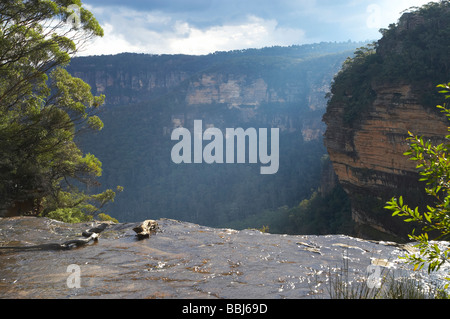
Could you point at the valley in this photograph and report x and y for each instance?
(148, 97)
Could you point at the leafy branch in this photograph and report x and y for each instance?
(433, 163)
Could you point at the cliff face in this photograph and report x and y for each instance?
(231, 90)
(249, 97)
(369, 159)
(288, 88)
(124, 86)
(284, 92)
(380, 94)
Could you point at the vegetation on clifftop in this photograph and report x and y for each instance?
(414, 50)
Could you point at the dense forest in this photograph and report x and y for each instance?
(135, 143)
(414, 50)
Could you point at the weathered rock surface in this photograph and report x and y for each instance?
(182, 260)
(368, 159)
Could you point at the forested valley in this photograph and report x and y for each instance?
(282, 87)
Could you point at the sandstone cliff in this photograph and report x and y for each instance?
(377, 98)
(247, 86)
(369, 159)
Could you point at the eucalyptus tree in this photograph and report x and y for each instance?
(43, 107)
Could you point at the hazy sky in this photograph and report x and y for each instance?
(204, 26)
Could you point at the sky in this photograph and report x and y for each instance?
(200, 27)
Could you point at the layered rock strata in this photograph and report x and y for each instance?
(369, 158)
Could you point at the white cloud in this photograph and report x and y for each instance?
(112, 43)
(249, 25)
(253, 33)
(358, 20)
(131, 31)
(388, 11)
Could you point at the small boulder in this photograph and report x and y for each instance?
(144, 229)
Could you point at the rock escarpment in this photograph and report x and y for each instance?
(263, 85)
(380, 95)
(369, 159)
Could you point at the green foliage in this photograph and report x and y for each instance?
(421, 39)
(323, 214)
(320, 214)
(91, 206)
(77, 207)
(43, 108)
(69, 215)
(433, 164)
(350, 86)
(106, 218)
(413, 51)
